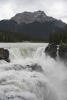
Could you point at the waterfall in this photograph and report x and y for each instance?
(31, 75)
(57, 52)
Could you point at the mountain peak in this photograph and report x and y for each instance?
(40, 12)
(29, 17)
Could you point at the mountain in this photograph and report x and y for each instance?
(30, 17)
(32, 25)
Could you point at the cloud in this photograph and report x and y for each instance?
(54, 8)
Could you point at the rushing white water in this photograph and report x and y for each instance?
(19, 81)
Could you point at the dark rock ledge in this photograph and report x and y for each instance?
(4, 54)
(63, 52)
(52, 50)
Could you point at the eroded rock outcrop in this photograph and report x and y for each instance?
(51, 50)
(63, 52)
(4, 54)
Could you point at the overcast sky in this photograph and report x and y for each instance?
(54, 8)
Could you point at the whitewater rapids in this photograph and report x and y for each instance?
(19, 82)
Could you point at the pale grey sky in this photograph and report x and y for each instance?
(54, 8)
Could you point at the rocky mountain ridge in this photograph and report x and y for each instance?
(30, 17)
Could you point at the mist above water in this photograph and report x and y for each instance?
(18, 80)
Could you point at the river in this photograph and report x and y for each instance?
(19, 81)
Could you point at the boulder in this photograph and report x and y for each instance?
(35, 67)
(4, 54)
(51, 50)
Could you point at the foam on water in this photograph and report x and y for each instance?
(18, 81)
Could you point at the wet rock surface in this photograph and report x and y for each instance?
(63, 52)
(51, 50)
(4, 54)
(35, 67)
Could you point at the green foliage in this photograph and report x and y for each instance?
(58, 38)
(6, 36)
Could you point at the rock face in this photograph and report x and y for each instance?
(63, 52)
(4, 54)
(51, 50)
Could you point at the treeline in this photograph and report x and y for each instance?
(6, 36)
(59, 37)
